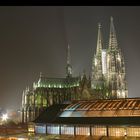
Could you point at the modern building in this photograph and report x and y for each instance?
(101, 117)
(108, 68)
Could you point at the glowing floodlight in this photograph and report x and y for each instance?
(4, 117)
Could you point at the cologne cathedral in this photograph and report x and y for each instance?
(108, 68)
(108, 81)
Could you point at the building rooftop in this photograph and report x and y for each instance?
(103, 108)
(103, 112)
(57, 82)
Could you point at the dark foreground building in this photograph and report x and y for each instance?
(108, 117)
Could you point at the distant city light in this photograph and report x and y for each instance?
(4, 117)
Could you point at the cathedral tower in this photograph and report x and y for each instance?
(108, 68)
(116, 76)
(97, 82)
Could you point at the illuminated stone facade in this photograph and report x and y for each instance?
(108, 81)
(108, 68)
(49, 91)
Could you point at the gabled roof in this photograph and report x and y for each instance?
(57, 82)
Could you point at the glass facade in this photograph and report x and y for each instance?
(99, 130)
(133, 131)
(82, 130)
(117, 131)
(68, 130)
(53, 129)
(129, 131)
(41, 129)
(86, 130)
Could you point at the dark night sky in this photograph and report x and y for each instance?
(34, 40)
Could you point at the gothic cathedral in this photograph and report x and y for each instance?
(108, 68)
(108, 81)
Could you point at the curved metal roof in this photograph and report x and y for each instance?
(99, 108)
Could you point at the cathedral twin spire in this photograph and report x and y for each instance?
(98, 57)
(108, 70)
(99, 40)
(112, 37)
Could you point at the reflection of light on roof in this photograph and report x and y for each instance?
(69, 112)
(73, 108)
(66, 114)
(73, 114)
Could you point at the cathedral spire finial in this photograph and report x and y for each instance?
(99, 25)
(41, 74)
(112, 36)
(99, 40)
(68, 55)
(111, 19)
(69, 67)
